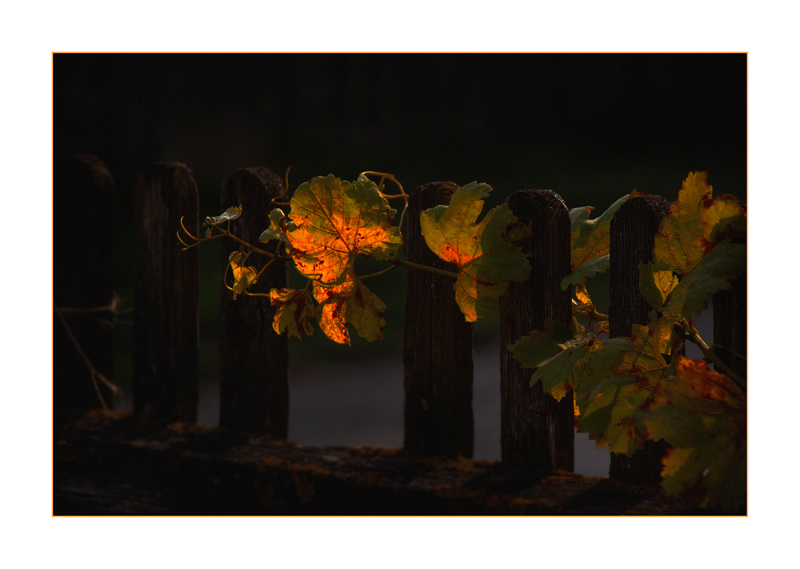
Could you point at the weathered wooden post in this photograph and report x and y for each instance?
(437, 345)
(537, 433)
(633, 231)
(83, 229)
(166, 341)
(730, 325)
(254, 360)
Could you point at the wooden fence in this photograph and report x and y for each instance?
(536, 432)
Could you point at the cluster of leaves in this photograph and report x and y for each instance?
(333, 222)
(625, 390)
(629, 390)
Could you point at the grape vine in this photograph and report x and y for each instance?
(626, 390)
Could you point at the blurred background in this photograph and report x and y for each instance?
(591, 127)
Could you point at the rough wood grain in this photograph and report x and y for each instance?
(254, 360)
(438, 343)
(116, 464)
(633, 231)
(537, 432)
(83, 229)
(166, 341)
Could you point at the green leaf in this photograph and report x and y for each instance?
(712, 273)
(702, 414)
(656, 282)
(335, 222)
(557, 353)
(540, 345)
(229, 215)
(588, 269)
(485, 253)
(618, 378)
(293, 310)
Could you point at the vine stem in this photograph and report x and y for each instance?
(398, 261)
(711, 356)
(94, 374)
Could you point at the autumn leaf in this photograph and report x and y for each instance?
(702, 414)
(618, 377)
(335, 221)
(485, 253)
(591, 238)
(685, 234)
(656, 282)
(350, 302)
(229, 215)
(243, 276)
(689, 296)
(293, 309)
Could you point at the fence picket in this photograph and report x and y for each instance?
(730, 325)
(166, 345)
(633, 231)
(438, 344)
(254, 360)
(537, 432)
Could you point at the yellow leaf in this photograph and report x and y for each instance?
(684, 237)
(243, 276)
(485, 253)
(293, 309)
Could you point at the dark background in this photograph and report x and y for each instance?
(591, 127)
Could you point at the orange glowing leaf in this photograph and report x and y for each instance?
(293, 310)
(334, 221)
(583, 307)
(684, 237)
(702, 414)
(243, 276)
(486, 254)
(350, 302)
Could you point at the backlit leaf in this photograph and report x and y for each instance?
(293, 310)
(591, 238)
(243, 276)
(684, 237)
(713, 273)
(350, 302)
(702, 414)
(656, 282)
(229, 215)
(335, 221)
(485, 253)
